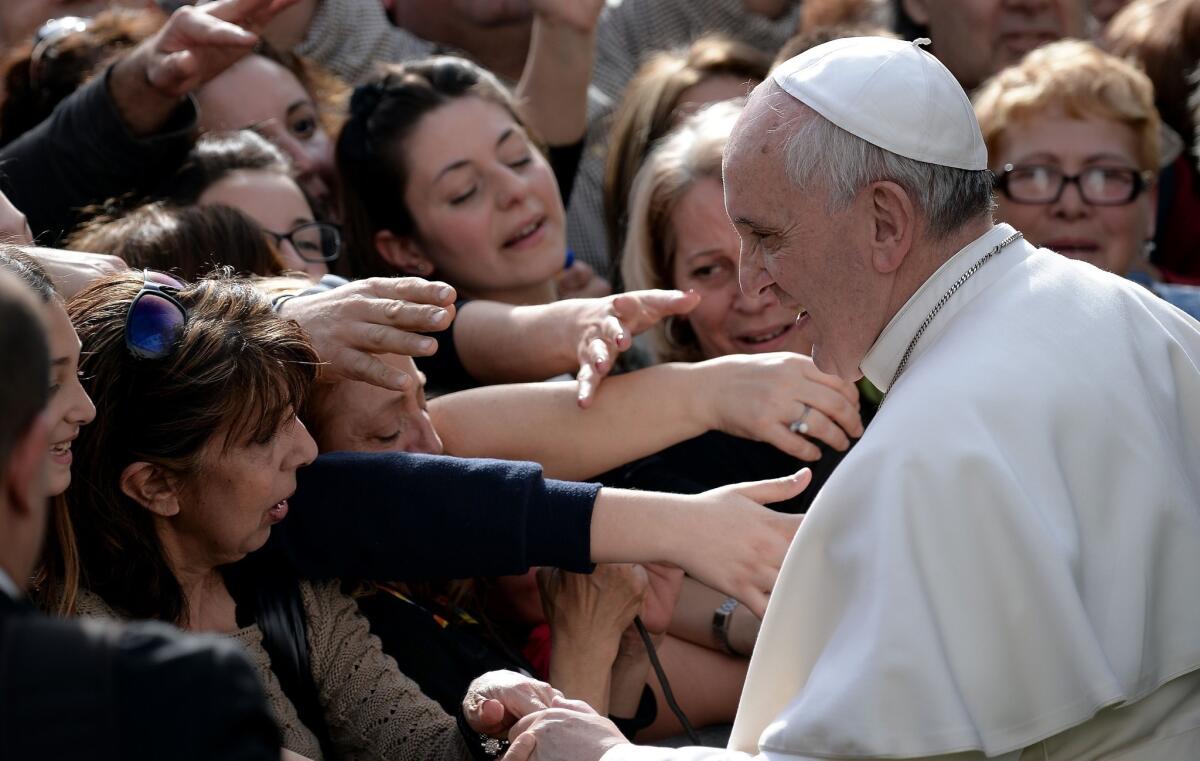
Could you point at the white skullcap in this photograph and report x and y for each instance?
(890, 93)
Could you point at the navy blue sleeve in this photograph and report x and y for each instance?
(410, 517)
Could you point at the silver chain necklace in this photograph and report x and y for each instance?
(938, 307)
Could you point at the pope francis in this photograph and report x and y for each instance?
(1008, 564)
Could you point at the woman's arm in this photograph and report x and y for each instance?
(693, 620)
(558, 68)
(637, 414)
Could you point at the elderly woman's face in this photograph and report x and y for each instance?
(257, 93)
(706, 260)
(360, 417)
(1110, 237)
(227, 510)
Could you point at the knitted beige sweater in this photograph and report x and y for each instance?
(372, 710)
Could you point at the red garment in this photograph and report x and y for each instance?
(1178, 251)
(537, 651)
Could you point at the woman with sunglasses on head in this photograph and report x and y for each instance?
(185, 476)
(1074, 139)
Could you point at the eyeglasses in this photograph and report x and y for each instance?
(313, 241)
(155, 317)
(1098, 186)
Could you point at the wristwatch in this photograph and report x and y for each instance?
(720, 624)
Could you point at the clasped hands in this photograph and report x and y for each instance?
(537, 717)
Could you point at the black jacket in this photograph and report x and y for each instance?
(106, 691)
(82, 155)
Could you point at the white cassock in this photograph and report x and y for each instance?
(1008, 563)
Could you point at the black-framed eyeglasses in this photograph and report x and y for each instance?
(155, 317)
(1098, 185)
(313, 241)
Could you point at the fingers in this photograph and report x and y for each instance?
(756, 600)
(521, 748)
(589, 383)
(408, 315)
(614, 332)
(375, 338)
(836, 408)
(484, 716)
(368, 368)
(820, 427)
(775, 489)
(641, 309)
(412, 289)
(781, 437)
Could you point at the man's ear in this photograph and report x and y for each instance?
(892, 216)
(917, 10)
(25, 471)
(152, 487)
(404, 254)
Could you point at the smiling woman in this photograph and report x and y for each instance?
(440, 176)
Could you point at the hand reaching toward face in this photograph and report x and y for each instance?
(351, 325)
(757, 396)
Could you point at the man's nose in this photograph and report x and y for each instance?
(753, 278)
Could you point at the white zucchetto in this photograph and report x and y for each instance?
(891, 93)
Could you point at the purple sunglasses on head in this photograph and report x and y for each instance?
(155, 317)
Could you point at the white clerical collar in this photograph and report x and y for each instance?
(880, 363)
(9, 587)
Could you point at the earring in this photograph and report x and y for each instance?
(1148, 249)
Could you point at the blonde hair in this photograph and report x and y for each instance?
(647, 111)
(1082, 80)
(689, 154)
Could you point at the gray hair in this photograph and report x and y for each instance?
(818, 151)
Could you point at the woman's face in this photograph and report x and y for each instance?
(1110, 237)
(360, 417)
(227, 510)
(273, 201)
(706, 261)
(257, 93)
(486, 204)
(69, 407)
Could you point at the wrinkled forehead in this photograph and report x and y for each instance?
(754, 153)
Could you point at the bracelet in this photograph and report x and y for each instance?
(722, 616)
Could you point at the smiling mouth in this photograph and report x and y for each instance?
(765, 336)
(1075, 250)
(526, 232)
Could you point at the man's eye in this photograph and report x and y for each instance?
(387, 439)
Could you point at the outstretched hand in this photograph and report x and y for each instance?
(580, 15)
(606, 327)
(351, 325)
(736, 545)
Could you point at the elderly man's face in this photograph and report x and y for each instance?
(814, 261)
(977, 38)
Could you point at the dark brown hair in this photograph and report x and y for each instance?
(236, 373)
(36, 78)
(189, 242)
(370, 148)
(217, 155)
(647, 112)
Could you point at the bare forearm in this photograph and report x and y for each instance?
(553, 87)
(693, 619)
(583, 669)
(501, 343)
(634, 415)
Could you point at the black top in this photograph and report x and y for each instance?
(107, 691)
(83, 154)
(717, 459)
(411, 517)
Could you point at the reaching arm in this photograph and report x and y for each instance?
(500, 343)
(558, 68)
(644, 412)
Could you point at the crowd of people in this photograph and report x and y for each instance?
(394, 379)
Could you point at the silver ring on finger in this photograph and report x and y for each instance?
(799, 426)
